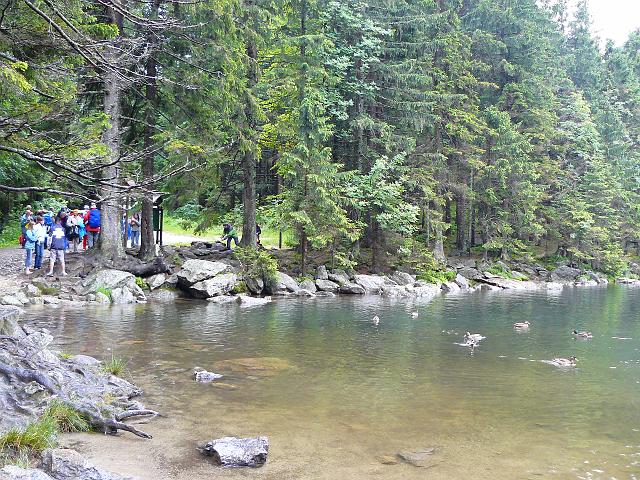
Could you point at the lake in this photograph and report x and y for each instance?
(346, 392)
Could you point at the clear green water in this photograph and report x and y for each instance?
(358, 391)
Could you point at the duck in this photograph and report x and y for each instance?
(203, 376)
(521, 325)
(376, 320)
(414, 314)
(578, 334)
(564, 362)
(476, 337)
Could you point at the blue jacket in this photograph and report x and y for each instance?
(58, 238)
(30, 242)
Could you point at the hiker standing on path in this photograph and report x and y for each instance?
(58, 246)
(92, 225)
(29, 246)
(41, 239)
(228, 234)
(26, 217)
(135, 230)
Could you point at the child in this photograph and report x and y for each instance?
(29, 245)
(58, 246)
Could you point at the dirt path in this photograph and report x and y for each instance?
(11, 269)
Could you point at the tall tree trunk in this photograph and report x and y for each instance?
(461, 231)
(110, 240)
(249, 160)
(147, 247)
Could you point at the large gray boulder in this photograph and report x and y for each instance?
(282, 284)
(402, 278)
(13, 472)
(67, 464)
(351, 288)
(308, 285)
(254, 285)
(156, 281)
(212, 287)
(339, 276)
(247, 301)
(195, 271)
(108, 279)
(11, 300)
(564, 274)
(9, 316)
(327, 286)
(237, 452)
(462, 282)
(470, 273)
(321, 273)
(122, 296)
(370, 283)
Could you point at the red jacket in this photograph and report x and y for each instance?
(86, 222)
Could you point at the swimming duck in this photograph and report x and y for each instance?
(578, 334)
(476, 337)
(521, 325)
(376, 320)
(203, 376)
(414, 314)
(564, 362)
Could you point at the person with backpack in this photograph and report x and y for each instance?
(29, 246)
(82, 230)
(73, 229)
(41, 239)
(24, 219)
(92, 225)
(58, 245)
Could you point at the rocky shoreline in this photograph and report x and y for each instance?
(205, 271)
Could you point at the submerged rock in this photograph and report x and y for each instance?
(237, 452)
(247, 301)
(420, 458)
(261, 366)
(66, 464)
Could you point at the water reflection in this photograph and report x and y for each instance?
(359, 391)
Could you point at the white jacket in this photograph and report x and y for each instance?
(40, 231)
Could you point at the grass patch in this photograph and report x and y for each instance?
(10, 234)
(66, 418)
(65, 355)
(436, 276)
(114, 366)
(141, 283)
(34, 437)
(104, 291)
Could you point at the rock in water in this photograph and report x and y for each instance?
(420, 458)
(195, 271)
(206, 377)
(237, 452)
(65, 464)
(12, 472)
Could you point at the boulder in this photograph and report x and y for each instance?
(370, 283)
(31, 290)
(109, 279)
(462, 282)
(66, 464)
(122, 296)
(254, 285)
(13, 472)
(282, 284)
(172, 280)
(304, 293)
(156, 281)
(102, 298)
(223, 299)
(247, 301)
(327, 285)
(470, 273)
(564, 274)
(351, 288)
(85, 361)
(164, 295)
(628, 281)
(339, 276)
(11, 300)
(9, 316)
(402, 278)
(450, 287)
(237, 452)
(196, 271)
(308, 285)
(212, 287)
(321, 273)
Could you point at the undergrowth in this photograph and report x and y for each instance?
(114, 366)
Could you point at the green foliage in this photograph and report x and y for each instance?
(141, 283)
(65, 355)
(114, 366)
(35, 437)
(10, 234)
(420, 259)
(257, 263)
(105, 291)
(66, 418)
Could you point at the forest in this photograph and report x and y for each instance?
(495, 127)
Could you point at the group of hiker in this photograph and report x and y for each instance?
(57, 233)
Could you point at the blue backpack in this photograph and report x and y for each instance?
(94, 218)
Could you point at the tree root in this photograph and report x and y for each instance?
(109, 425)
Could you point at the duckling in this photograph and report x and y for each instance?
(564, 362)
(578, 334)
(476, 337)
(521, 325)
(376, 320)
(414, 314)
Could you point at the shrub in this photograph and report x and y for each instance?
(65, 355)
(141, 283)
(239, 287)
(257, 263)
(114, 366)
(104, 291)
